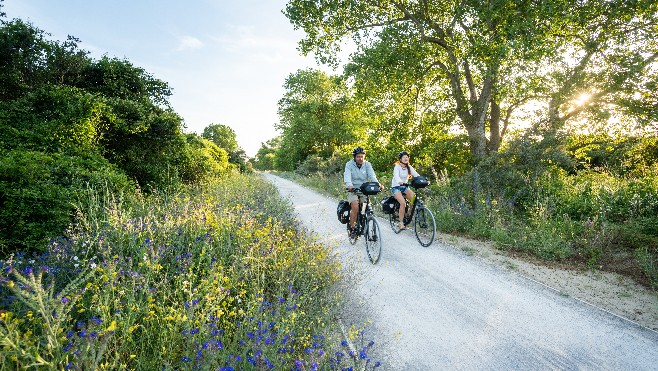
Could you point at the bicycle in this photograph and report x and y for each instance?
(424, 223)
(366, 225)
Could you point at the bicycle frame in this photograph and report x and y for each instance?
(366, 225)
(365, 210)
(410, 208)
(422, 217)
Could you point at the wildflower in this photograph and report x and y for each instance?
(96, 320)
(343, 343)
(70, 334)
(185, 359)
(65, 300)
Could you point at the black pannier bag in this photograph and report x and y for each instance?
(343, 211)
(419, 182)
(389, 205)
(370, 188)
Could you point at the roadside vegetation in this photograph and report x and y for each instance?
(212, 277)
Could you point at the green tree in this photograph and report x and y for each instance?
(224, 137)
(265, 158)
(202, 160)
(317, 117)
(489, 58)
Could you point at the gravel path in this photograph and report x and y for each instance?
(439, 308)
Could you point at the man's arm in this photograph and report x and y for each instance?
(347, 176)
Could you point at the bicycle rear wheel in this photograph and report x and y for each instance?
(373, 239)
(395, 223)
(424, 226)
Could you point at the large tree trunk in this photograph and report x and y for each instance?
(495, 135)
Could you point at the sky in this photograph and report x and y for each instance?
(226, 60)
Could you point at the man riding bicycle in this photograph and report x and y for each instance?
(357, 171)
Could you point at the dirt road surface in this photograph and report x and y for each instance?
(438, 308)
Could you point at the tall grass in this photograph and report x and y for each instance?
(215, 277)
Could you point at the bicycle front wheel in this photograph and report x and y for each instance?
(424, 226)
(352, 237)
(373, 237)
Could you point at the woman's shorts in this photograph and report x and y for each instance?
(396, 189)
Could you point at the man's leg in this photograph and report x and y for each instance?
(353, 213)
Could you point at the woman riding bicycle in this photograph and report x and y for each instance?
(401, 174)
(357, 171)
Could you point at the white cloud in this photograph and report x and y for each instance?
(188, 42)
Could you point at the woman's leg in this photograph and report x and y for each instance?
(400, 198)
(409, 194)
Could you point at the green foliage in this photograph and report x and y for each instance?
(69, 122)
(119, 79)
(223, 136)
(202, 160)
(38, 192)
(317, 117)
(265, 158)
(54, 119)
(312, 165)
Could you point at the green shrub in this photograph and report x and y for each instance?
(39, 191)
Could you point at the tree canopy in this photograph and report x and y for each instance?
(71, 125)
(317, 116)
(481, 62)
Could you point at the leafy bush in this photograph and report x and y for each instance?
(38, 192)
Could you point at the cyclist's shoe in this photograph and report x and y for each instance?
(401, 226)
(353, 233)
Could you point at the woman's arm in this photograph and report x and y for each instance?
(397, 175)
(413, 171)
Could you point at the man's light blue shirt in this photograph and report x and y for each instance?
(354, 176)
